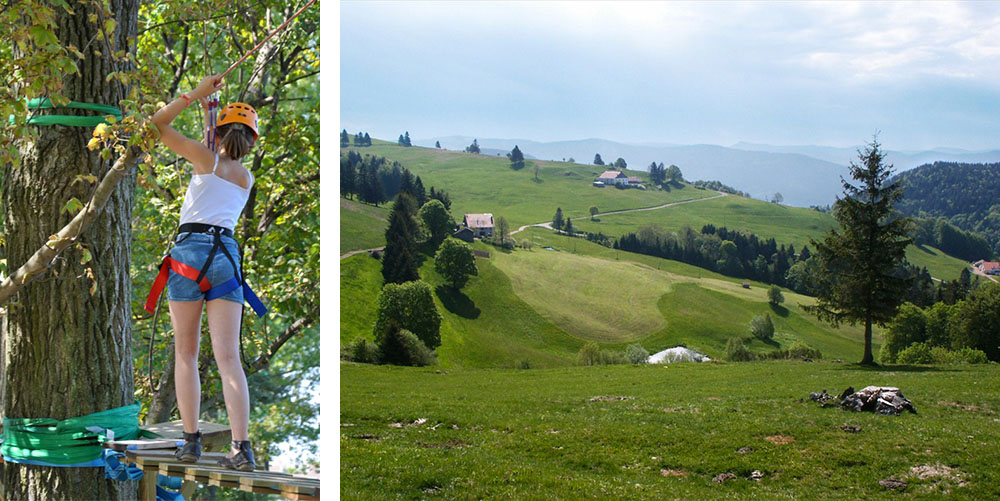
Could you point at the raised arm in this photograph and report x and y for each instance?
(194, 151)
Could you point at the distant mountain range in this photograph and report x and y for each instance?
(804, 175)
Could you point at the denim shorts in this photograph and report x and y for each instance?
(192, 249)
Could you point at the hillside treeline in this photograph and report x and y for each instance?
(962, 331)
(375, 180)
(733, 253)
(742, 254)
(965, 195)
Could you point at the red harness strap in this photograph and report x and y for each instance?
(161, 280)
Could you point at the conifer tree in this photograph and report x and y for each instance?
(598, 160)
(345, 139)
(347, 176)
(401, 141)
(516, 158)
(557, 221)
(419, 193)
(406, 139)
(368, 139)
(861, 269)
(437, 144)
(399, 260)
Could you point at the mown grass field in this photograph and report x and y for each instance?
(433, 433)
(362, 226)
(787, 225)
(479, 183)
(539, 307)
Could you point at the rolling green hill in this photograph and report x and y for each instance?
(479, 183)
(540, 306)
(362, 226)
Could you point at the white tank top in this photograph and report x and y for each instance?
(212, 200)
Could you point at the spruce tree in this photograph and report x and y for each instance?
(406, 139)
(557, 221)
(347, 176)
(401, 141)
(516, 158)
(368, 139)
(598, 160)
(437, 144)
(861, 269)
(345, 139)
(399, 260)
(419, 193)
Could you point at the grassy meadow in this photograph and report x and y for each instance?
(362, 226)
(663, 432)
(480, 183)
(540, 306)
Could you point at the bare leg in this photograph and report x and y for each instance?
(186, 319)
(224, 327)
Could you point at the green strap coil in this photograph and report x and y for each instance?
(67, 441)
(72, 121)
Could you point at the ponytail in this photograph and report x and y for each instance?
(236, 139)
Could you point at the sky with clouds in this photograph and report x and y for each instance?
(924, 74)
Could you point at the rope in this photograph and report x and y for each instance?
(70, 120)
(268, 37)
(70, 441)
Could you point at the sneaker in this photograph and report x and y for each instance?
(243, 460)
(190, 452)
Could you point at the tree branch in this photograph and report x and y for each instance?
(264, 359)
(40, 261)
(271, 214)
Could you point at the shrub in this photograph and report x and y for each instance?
(800, 350)
(590, 354)
(636, 354)
(524, 364)
(403, 347)
(941, 355)
(761, 327)
(364, 352)
(909, 326)
(916, 353)
(737, 351)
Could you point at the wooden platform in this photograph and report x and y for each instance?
(206, 472)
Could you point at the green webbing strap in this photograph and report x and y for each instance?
(67, 441)
(72, 121)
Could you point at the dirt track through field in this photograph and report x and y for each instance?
(549, 223)
(610, 213)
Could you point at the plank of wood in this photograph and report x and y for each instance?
(298, 497)
(158, 443)
(153, 458)
(212, 434)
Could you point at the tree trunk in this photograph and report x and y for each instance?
(69, 351)
(868, 359)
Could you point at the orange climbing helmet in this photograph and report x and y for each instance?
(239, 113)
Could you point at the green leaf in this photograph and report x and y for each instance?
(72, 206)
(86, 257)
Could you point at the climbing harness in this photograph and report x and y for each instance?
(70, 120)
(211, 292)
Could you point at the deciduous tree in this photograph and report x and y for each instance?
(408, 306)
(455, 262)
(437, 220)
(598, 160)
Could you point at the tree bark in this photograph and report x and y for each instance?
(69, 350)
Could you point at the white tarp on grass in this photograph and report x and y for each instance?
(676, 354)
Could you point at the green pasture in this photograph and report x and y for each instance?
(479, 183)
(362, 226)
(787, 225)
(540, 306)
(664, 432)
